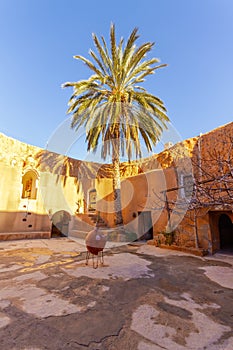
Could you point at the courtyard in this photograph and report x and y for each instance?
(143, 298)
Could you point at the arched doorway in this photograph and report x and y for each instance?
(60, 224)
(225, 232)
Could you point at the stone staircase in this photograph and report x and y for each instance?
(85, 223)
(97, 219)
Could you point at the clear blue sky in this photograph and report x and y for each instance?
(38, 39)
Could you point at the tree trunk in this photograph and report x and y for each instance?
(117, 182)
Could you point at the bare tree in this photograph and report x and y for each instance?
(208, 187)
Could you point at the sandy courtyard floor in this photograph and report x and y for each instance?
(142, 298)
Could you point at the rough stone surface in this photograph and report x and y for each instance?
(142, 298)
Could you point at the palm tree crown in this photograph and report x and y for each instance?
(111, 104)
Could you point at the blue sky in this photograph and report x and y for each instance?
(39, 38)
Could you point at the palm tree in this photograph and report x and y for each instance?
(113, 107)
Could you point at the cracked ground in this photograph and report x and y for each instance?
(142, 298)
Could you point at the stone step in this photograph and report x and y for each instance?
(77, 234)
(82, 225)
(95, 218)
(84, 218)
(90, 219)
(10, 236)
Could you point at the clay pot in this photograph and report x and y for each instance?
(95, 241)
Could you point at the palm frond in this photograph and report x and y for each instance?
(93, 55)
(113, 49)
(89, 64)
(103, 52)
(129, 46)
(138, 55)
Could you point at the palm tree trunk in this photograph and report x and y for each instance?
(117, 182)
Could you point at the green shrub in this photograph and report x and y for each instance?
(169, 237)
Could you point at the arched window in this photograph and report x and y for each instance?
(29, 182)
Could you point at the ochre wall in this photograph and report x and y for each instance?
(19, 214)
(212, 159)
(63, 181)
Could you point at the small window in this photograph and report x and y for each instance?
(29, 181)
(188, 185)
(92, 200)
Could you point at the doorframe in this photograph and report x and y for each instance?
(150, 231)
(214, 216)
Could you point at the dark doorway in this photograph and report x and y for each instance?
(145, 226)
(60, 224)
(225, 232)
